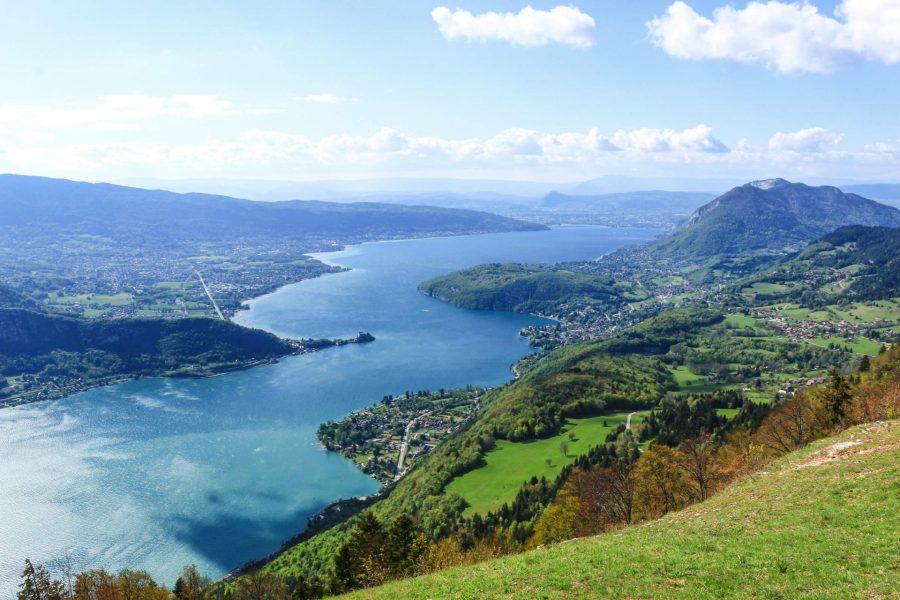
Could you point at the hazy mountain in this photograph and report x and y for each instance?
(772, 214)
(613, 184)
(121, 212)
(359, 189)
(883, 192)
(653, 201)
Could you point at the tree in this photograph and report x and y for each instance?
(564, 448)
(190, 585)
(37, 584)
(697, 460)
(835, 397)
(260, 586)
(660, 484)
(790, 425)
(864, 364)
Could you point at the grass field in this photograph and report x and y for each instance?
(862, 345)
(740, 320)
(821, 523)
(91, 299)
(510, 464)
(688, 381)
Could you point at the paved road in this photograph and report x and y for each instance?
(405, 446)
(209, 295)
(628, 421)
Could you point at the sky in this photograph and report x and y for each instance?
(540, 91)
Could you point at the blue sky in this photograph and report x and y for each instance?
(307, 90)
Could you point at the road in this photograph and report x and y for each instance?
(405, 445)
(628, 420)
(209, 295)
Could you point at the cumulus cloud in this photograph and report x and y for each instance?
(517, 152)
(564, 25)
(789, 37)
(116, 110)
(813, 139)
(325, 98)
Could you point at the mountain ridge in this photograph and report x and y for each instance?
(771, 215)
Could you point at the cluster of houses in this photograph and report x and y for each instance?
(805, 329)
(789, 388)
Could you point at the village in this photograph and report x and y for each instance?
(387, 439)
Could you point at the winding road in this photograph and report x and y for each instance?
(628, 420)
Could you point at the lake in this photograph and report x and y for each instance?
(158, 473)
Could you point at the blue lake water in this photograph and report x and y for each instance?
(159, 473)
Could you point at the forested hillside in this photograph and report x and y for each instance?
(51, 355)
(522, 288)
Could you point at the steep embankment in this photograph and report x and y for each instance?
(820, 523)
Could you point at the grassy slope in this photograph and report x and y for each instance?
(819, 523)
(510, 464)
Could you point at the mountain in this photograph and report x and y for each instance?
(650, 201)
(819, 523)
(610, 184)
(773, 214)
(50, 205)
(883, 192)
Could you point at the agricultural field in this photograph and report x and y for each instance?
(510, 464)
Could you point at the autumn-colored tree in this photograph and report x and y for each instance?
(557, 522)
(697, 460)
(660, 485)
(96, 585)
(790, 425)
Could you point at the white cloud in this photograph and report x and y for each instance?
(529, 27)
(813, 139)
(511, 153)
(325, 98)
(789, 37)
(117, 111)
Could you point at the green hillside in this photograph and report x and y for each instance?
(771, 215)
(853, 263)
(523, 288)
(51, 355)
(820, 523)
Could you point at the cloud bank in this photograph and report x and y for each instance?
(788, 37)
(565, 25)
(511, 153)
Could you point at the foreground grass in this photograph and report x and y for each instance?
(510, 464)
(819, 523)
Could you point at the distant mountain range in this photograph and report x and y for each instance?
(640, 202)
(122, 212)
(772, 214)
(886, 192)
